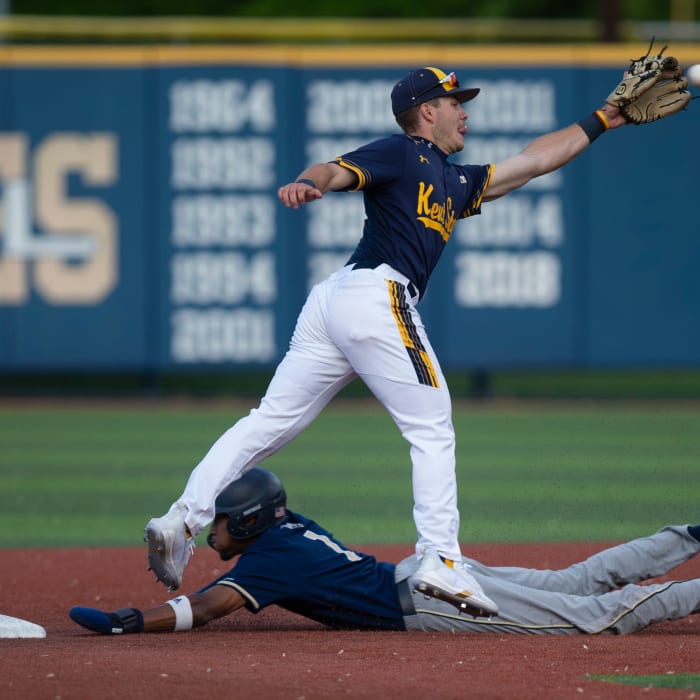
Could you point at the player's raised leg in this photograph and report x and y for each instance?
(311, 373)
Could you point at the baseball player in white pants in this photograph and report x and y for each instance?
(331, 346)
(363, 321)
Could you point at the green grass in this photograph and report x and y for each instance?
(79, 474)
(684, 681)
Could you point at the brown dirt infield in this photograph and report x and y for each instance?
(279, 655)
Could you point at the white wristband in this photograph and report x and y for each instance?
(183, 612)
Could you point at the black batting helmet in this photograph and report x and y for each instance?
(258, 494)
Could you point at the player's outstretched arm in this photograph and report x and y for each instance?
(653, 87)
(551, 151)
(179, 614)
(314, 182)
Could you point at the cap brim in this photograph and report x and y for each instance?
(464, 95)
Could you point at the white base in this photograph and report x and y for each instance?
(14, 627)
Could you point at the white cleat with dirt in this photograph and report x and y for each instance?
(169, 546)
(450, 581)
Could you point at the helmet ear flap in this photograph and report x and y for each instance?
(239, 529)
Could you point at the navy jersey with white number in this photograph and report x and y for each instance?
(413, 197)
(300, 566)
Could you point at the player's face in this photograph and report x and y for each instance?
(221, 540)
(450, 125)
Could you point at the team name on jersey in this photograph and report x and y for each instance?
(439, 216)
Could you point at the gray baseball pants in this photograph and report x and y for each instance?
(597, 596)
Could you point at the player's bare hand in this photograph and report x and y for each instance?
(295, 194)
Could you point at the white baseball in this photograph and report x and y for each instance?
(693, 74)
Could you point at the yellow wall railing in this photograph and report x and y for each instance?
(18, 28)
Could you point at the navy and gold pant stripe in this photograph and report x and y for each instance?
(412, 342)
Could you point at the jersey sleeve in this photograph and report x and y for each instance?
(375, 163)
(480, 177)
(262, 578)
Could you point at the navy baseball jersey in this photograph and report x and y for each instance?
(300, 566)
(413, 197)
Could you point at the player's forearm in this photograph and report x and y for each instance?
(543, 155)
(555, 149)
(550, 152)
(163, 619)
(185, 612)
(314, 182)
(326, 176)
(160, 619)
(179, 614)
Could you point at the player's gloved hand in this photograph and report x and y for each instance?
(642, 74)
(120, 621)
(653, 87)
(668, 96)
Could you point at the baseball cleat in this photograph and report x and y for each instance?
(450, 581)
(169, 546)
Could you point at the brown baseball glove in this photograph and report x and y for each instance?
(653, 87)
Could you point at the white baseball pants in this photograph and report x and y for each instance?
(356, 323)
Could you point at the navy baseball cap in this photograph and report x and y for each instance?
(424, 84)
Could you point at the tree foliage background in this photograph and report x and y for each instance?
(512, 9)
